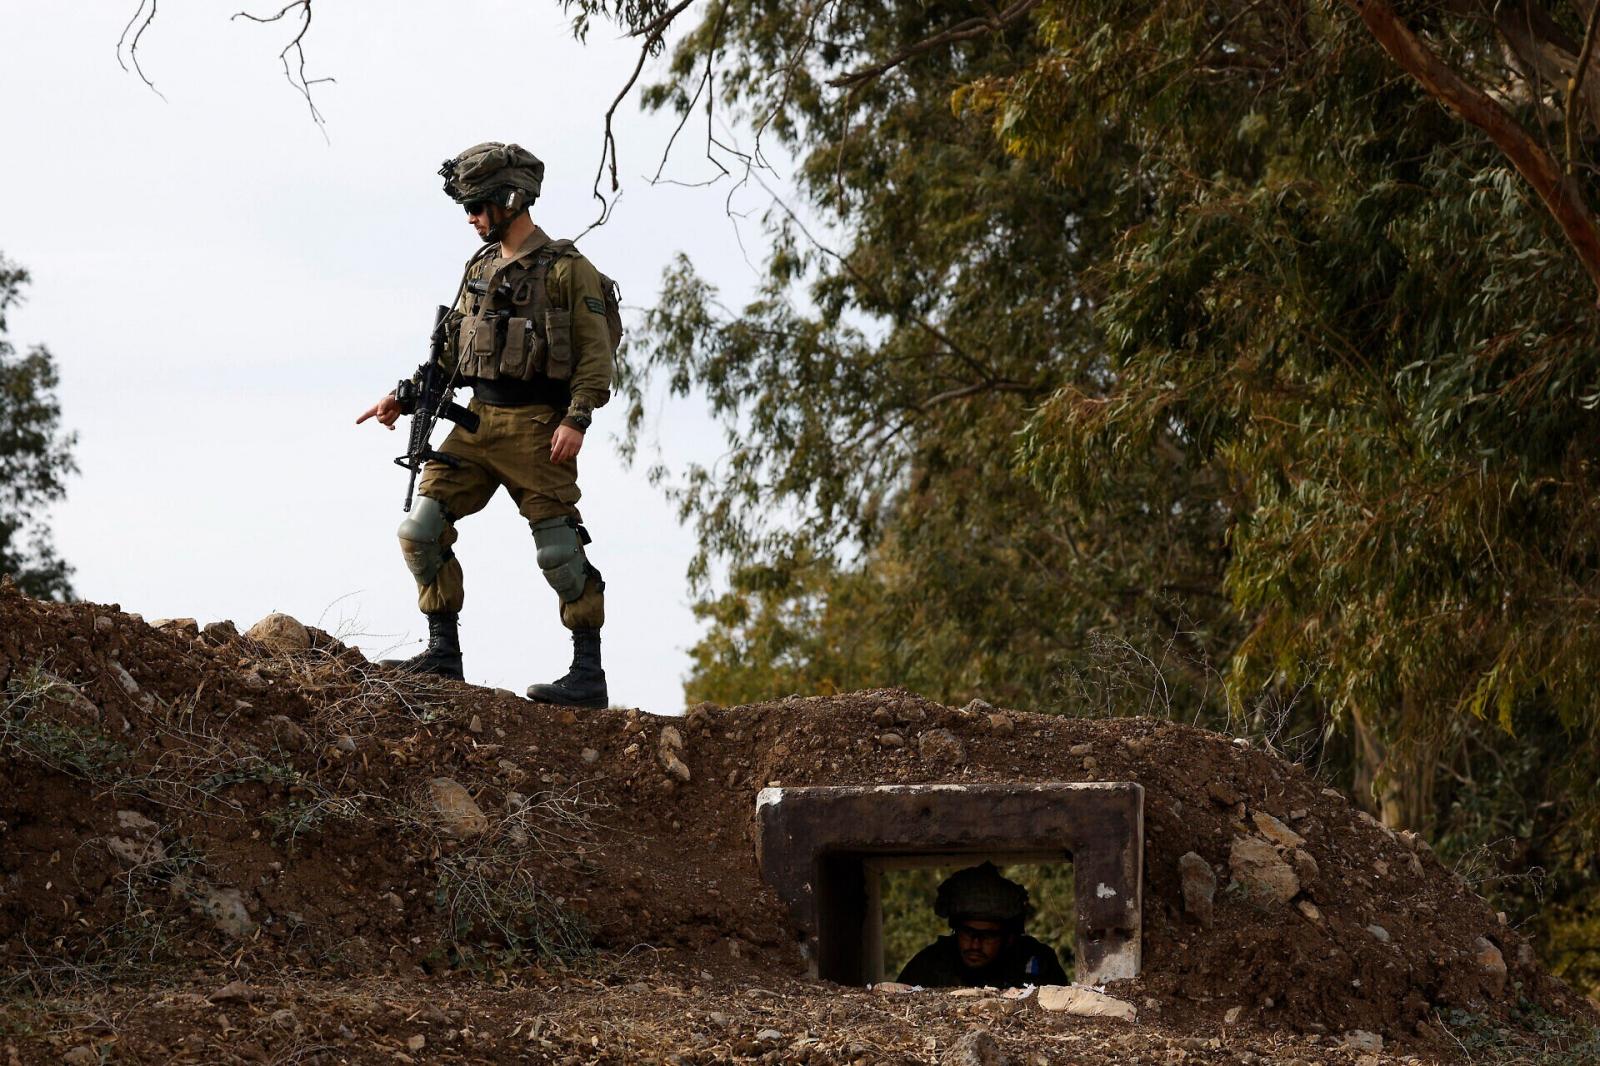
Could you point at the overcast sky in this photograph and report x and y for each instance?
(224, 290)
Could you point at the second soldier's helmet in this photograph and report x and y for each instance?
(981, 893)
(507, 174)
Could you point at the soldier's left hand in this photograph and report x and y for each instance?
(564, 444)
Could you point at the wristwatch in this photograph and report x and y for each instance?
(578, 421)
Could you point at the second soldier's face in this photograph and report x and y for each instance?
(483, 221)
(980, 942)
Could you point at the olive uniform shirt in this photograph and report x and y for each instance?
(1026, 962)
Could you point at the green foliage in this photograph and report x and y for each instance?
(35, 456)
(1198, 325)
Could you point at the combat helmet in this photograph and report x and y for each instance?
(980, 892)
(504, 174)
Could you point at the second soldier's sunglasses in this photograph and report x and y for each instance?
(476, 207)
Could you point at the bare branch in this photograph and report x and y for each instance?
(962, 31)
(1536, 165)
(133, 46)
(1575, 85)
(296, 76)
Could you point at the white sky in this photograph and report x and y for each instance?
(224, 291)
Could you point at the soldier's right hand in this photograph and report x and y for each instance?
(385, 411)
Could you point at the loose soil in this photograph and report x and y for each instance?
(211, 851)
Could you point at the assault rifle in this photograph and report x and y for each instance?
(426, 398)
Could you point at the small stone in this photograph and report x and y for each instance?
(104, 623)
(1362, 1040)
(977, 707)
(1276, 831)
(346, 744)
(125, 679)
(135, 821)
(135, 853)
(1221, 794)
(567, 716)
(82, 1055)
(1305, 867)
(234, 992)
(220, 632)
(888, 988)
(1298, 814)
(1309, 909)
(288, 733)
(1257, 867)
(457, 812)
(1090, 764)
(279, 633)
(1085, 1002)
(1492, 963)
(1232, 1016)
(1081, 749)
(1199, 887)
(183, 627)
(671, 739)
(225, 909)
(476, 725)
(769, 1035)
(941, 746)
(882, 717)
(590, 756)
(416, 1043)
(675, 767)
(892, 740)
(976, 1048)
(1002, 724)
(1378, 933)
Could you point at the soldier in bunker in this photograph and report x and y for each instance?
(986, 946)
(533, 333)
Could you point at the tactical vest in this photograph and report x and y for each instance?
(512, 324)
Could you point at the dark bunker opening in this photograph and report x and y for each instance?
(824, 850)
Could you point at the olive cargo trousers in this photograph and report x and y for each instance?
(510, 449)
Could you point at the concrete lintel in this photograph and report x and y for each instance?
(815, 844)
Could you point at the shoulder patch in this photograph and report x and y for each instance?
(594, 304)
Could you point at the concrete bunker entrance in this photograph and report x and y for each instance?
(825, 849)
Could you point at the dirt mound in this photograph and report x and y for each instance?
(186, 794)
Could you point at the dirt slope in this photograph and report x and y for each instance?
(183, 809)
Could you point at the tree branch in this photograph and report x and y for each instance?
(1559, 193)
(1575, 85)
(962, 31)
(133, 46)
(297, 46)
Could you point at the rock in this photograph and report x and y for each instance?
(1081, 749)
(279, 633)
(675, 767)
(978, 707)
(82, 1055)
(910, 712)
(1305, 867)
(1085, 1002)
(892, 740)
(346, 744)
(1491, 963)
(769, 1035)
(1258, 868)
(671, 739)
(183, 627)
(220, 632)
(225, 909)
(1199, 887)
(1309, 909)
(1362, 1040)
(1276, 831)
(1002, 724)
(288, 734)
(476, 725)
(136, 852)
(882, 717)
(135, 821)
(458, 813)
(1232, 1016)
(234, 992)
(589, 755)
(977, 1048)
(1378, 933)
(888, 988)
(104, 623)
(1221, 794)
(416, 1043)
(941, 746)
(125, 679)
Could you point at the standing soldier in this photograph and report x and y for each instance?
(532, 333)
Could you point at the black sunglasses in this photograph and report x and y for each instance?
(980, 934)
(476, 207)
